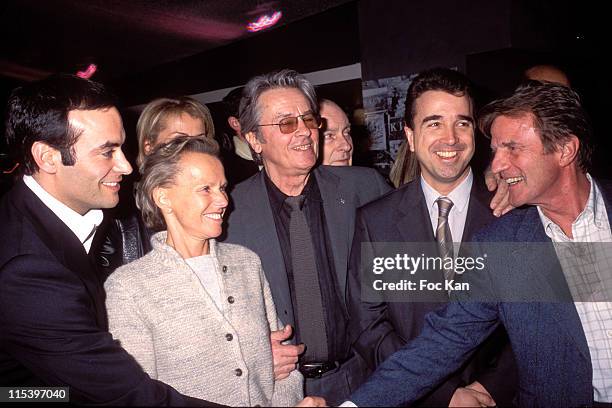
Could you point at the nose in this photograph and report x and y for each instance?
(221, 199)
(500, 162)
(302, 129)
(122, 165)
(450, 136)
(346, 143)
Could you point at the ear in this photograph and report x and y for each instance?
(160, 196)
(147, 147)
(569, 151)
(254, 142)
(46, 157)
(409, 137)
(234, 123)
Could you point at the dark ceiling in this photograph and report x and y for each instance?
(126, 37)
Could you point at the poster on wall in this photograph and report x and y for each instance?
(383, 103)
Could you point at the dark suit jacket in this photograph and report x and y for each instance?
(251, 223)
(378, 329)
(547, 338)
(53, 328)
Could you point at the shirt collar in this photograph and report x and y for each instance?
(277, 197)
(592, 212)
(242, 148)
(460, 196)
(82, 226)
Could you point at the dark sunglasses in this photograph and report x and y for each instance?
(290, 124)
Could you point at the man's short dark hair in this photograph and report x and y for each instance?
(557, 115)
(435, 79)
(38, 112)
(231, 102)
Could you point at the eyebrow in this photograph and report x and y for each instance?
(108, 145)
(290, 115)
(466, 117)
(431, 117)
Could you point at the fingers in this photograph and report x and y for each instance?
(500, 204)
(288, 350)
(312, 402)
(490, 179)
(281, 335)
(484, 400)
(468, 397)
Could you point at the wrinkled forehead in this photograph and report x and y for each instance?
(505, 128)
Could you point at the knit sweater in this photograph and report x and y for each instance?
(161, 314)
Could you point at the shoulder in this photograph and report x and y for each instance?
(365, 183)
(352, 173)
(235, 253)
(135, 273)
(249, 185)
(392, 199)
(504, 229)
(605, 186)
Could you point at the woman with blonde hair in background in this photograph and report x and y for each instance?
(161, 120)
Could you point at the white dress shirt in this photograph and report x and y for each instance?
(579, 264)
(460, 197)
(83, 226)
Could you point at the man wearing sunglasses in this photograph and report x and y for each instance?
(300, 221)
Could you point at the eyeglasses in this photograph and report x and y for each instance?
(290, 124)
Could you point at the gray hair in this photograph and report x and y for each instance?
(250, 112)
(159, 169)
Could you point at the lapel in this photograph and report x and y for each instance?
(544, 266)
(339, 206)
(264, 241)
(478, 214)
(411, 217)
(64, 246)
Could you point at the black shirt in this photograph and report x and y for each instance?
(333, 308)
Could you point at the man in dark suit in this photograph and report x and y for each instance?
(279, 117)
(540, 137)
(439, 126)
(67, 136)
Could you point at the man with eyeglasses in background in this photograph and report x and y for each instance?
(300, 221)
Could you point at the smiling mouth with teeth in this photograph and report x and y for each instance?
(303, 147)
(447, 155)
(214, 216)
(513, 180)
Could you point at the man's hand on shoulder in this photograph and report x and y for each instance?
(500, 204)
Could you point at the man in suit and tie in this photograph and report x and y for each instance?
(448, 200)
(300, 221)
(540, 137)
(66, 135)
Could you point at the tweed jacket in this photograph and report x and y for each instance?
(161, 314)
